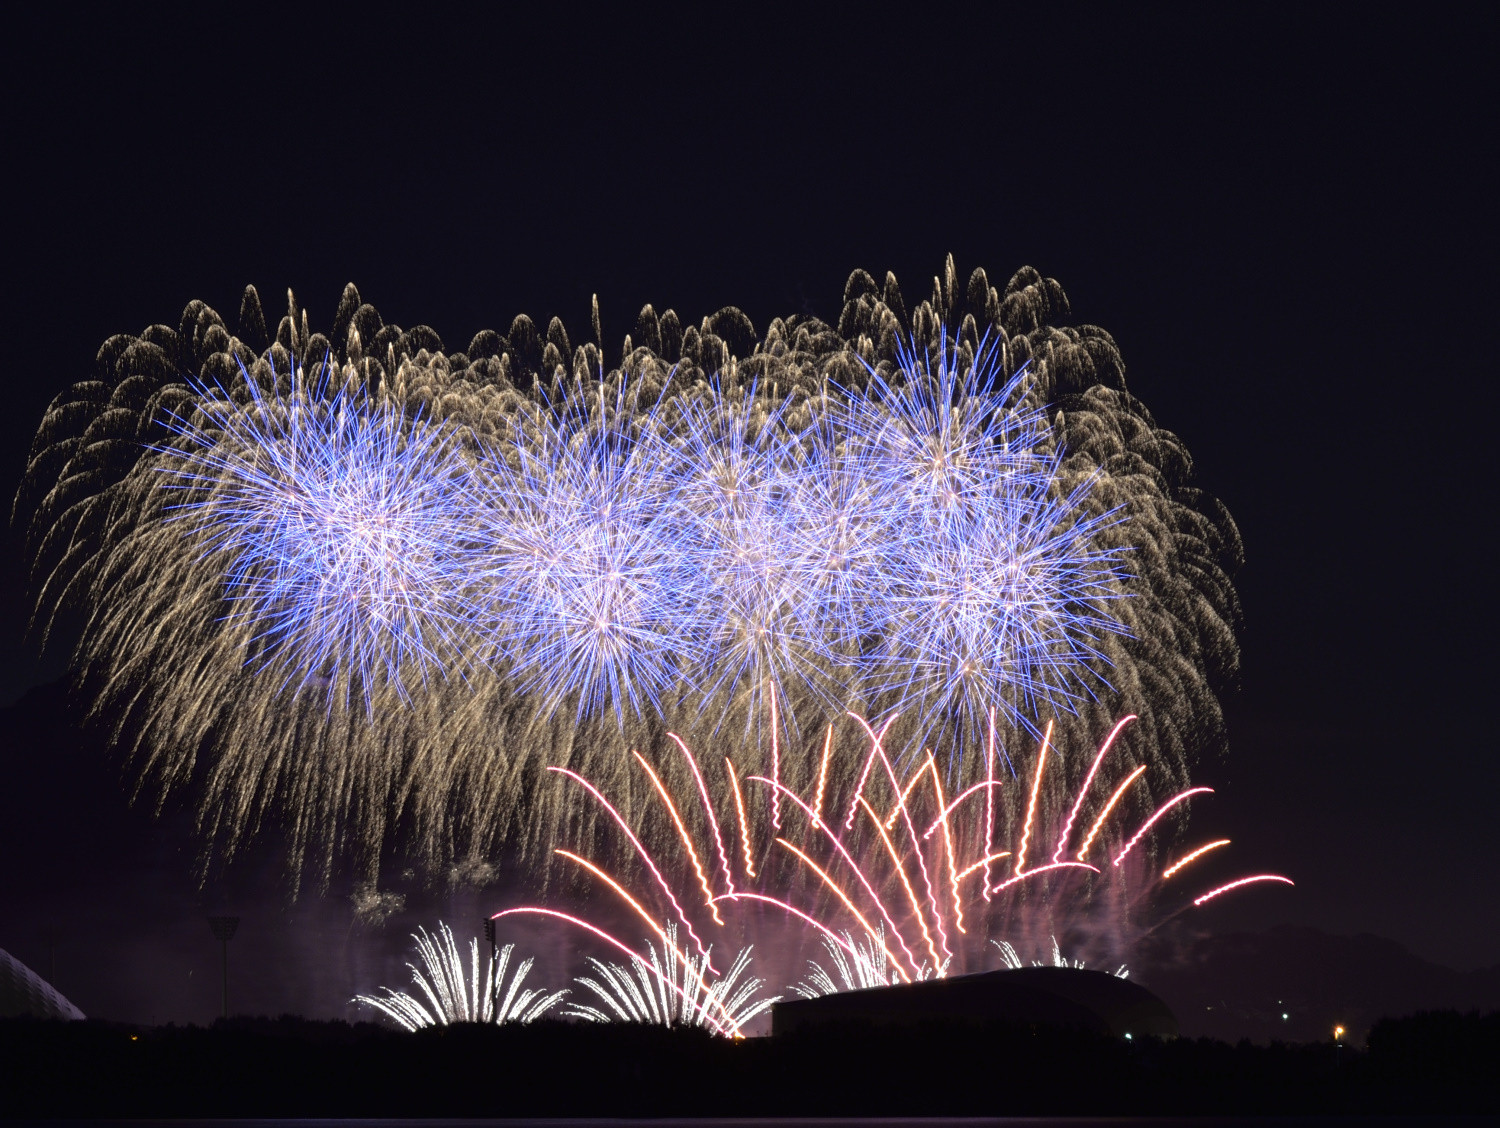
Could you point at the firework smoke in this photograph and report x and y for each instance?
(341, 664)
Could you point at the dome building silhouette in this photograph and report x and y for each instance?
(1047, 996)
(23, 991)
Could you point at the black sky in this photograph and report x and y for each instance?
(1284, 217)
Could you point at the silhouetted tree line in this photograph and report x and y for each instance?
(1440, 1062)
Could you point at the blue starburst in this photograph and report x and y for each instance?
(998, 587)
(590, 589)
(342, 526)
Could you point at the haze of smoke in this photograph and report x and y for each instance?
(456, 767)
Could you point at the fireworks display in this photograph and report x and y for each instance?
(449, 995)
(661, 989)
(372, 600)
(899, 879)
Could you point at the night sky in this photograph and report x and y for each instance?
(1284, 218)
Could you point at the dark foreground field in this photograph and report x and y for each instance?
(1428, 1063)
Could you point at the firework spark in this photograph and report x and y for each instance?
(1013, 960)
(651, 989)
(450, 995)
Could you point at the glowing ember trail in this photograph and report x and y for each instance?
(911, 894)
(823, 774)
(859, 871)
(864, 775)
(1196, 854)
(1108, 807)
(1212, 893)
(1043, 869)
(1062, 839)
(645, 855)
(937, 787)
(775, 762)
(989, 802)
(942, 818)
(911, 832)
(849, 904)
(1160, 811)
(739, 806)
(713, 821)
(983, 863)
(1036, 787)
(687, 839)
(640, 909)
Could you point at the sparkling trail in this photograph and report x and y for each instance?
(687, 839)
(1062, 841)
(639, 848)
(1104, 814)
(1036, 787)
(1042, 869)
(537, 910)
(739, 806)
(708, 809)
(1160, 811)
(849, 904)
(911, 894)
(823, 773)
(849, 859)
(1243, 881)
(911, 831)
(1198, 853)
(864, 774)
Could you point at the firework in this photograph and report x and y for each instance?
(909, 888)
(1012, 959)
(591, 589)
(857, 961)
(450, 995)
(383, 596)
(661, 989)
(339, 528)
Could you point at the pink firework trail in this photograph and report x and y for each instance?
(878, 876)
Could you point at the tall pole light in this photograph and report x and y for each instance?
(224, 928)
(489, 934)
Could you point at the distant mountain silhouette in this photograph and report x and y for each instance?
(1241, 984)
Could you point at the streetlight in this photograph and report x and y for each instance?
(224, 928)
(489, 934)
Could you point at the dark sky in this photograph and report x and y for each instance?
(1284, 217)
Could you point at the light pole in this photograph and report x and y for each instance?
(489, 934)
(224, 928)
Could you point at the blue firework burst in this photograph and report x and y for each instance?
(342, 527)
(996, 589)
(741, 529)
(590, 591)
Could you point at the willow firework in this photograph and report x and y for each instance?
(383, 595)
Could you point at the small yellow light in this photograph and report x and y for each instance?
(1338, 1032)
(133, 1038)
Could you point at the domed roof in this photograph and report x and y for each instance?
(23, 991)
(1052, 996)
